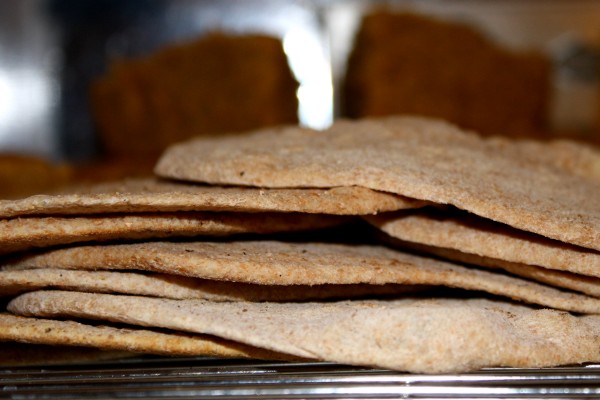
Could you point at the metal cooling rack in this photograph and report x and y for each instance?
(159, 378)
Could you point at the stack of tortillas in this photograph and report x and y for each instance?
(401, 243)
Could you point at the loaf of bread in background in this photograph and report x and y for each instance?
(404, 63)
(217, 83)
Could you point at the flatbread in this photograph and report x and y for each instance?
(416, 335)
(279, 263)
(30, 232)
(181, 287)
(470, 234)
(155, 195)
(70, 333)
(574, 157)
(415, 157)
(560, 279)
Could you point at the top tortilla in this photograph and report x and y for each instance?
(155, 195)
(574, 157)
(414, 157)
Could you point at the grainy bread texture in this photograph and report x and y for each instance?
(427, 336)
(471, 234)
(155, 195)
(279, 263)
(574, 157)
(560, 279)
(414, 157)
(181, 287)
(70, 333)
(30, 232)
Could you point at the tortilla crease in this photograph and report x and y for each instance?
(280, 263)
(471, 234)
(70, 333)
(418, 158)
(439, 335)
(155, 195)
(30, 232)
(182, 287)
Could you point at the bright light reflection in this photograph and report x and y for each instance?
(7, 100)
(311, 67)
(25, 101)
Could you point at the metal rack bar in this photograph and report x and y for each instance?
(159, 378)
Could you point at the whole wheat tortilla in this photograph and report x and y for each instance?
(471, 234)
(181, 287)
(279, 263)
(574, 157)
(416, 335)
(560, 279)
(70, 333)
(155, 195)
(414, 157)
(29, 232)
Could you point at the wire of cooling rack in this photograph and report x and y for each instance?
(159, 378)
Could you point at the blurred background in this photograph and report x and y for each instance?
(102, 86)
